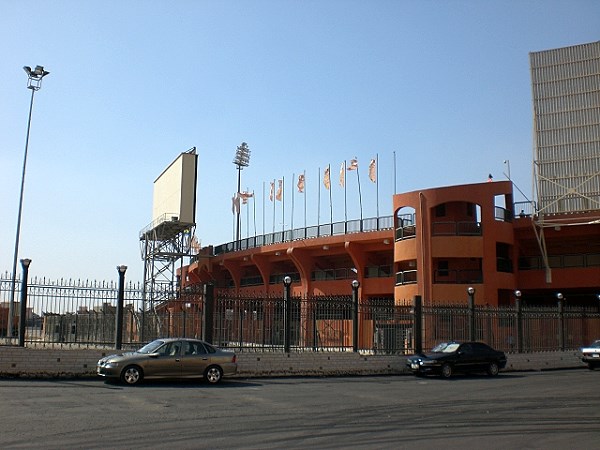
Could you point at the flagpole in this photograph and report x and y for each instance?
(247, 218)
(359, 199)
(263, 210)
(293, 195)
(319, 203)
(330, 202)
(395, 188)
(282, 206)
(345, 199)
(305, 194)
(274, 201)
(377, 185)
(254, 207)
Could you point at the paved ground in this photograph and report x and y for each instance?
(530, 410)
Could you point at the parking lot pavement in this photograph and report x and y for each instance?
(550, 410)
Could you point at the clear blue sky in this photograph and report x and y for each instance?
(443, 84)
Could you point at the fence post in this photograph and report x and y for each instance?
(471, 304)
(519, 320)
(355, 286)
(561, 322)
(120, 301)
(417, 324)
(23, 307)
(207, 317)
(287, 299)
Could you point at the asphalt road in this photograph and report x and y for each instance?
(530, 410)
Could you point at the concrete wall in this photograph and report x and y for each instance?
(35, 362)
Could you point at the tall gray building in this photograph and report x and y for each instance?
(566, 120)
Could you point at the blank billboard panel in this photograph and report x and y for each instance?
(566, 106)
(174, 196)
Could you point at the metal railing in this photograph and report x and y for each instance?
(83, 314)
(330, 229)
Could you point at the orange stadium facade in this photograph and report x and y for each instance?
(437, 243)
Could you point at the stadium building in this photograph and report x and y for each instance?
(438, 242)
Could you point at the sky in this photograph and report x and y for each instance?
(439, 92)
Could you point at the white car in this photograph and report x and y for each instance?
(591, 354)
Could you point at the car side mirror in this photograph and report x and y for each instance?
(154, 355)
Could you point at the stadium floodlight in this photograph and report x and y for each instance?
(241, 160)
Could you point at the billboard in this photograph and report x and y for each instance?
(566, 100)
(174, 197)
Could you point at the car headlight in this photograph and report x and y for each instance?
(111, 365)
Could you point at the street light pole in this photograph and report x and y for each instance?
(120, 300)
(23, 306)
(34, 82)
(241, 160)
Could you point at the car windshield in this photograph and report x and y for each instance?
(445, 347)
(151, 347)
(595, 344)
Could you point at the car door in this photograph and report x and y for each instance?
(195, 359)
(466, 358)
(167, 363)
(485, 355)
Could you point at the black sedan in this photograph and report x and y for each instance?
(449, 357)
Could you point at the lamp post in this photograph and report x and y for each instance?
(471, 292)
(23, 306)
(287, 283)
(519, 321)
(355, 286)
(120, 300)
(34, 82)
(241, 160)
(561, 320)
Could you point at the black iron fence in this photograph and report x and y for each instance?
(84, 314)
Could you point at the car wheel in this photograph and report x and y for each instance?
(132, 375)
(446, 370)
(493, 369)
(591, 366)
(213, 374)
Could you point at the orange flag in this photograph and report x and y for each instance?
(373, 171)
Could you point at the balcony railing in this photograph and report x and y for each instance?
(406, 277)
(560, 261)
(330, 229)
(503, 214)
(462, 276)
(456, 229)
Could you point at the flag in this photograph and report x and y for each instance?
(490, 178)
(353, 164)
(272, 191)
(195, 244)
(327, 179)
(301, 183)
(279, 190)
(373, 171)
(245, 196)
(342, 174)
(235, 204)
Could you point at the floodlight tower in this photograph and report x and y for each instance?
(241, 160)
(34, 82)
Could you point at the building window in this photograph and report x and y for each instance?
(442, 268)
(440, 210)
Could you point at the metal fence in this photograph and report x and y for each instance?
(84, 314)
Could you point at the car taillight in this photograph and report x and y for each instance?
(234, 359)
